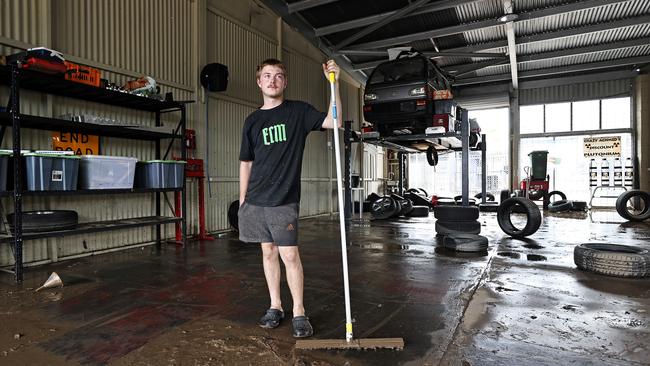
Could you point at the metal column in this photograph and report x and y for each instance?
(400, 183)
(347, 184)
(18, 186)
(465, 162)
(158, 235)
(184, 191)
(483, 168)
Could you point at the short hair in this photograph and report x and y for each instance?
(271, 62)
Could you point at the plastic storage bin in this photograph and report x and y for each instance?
(106, 172)
(160, 174)
(38, 171)
(65, 170)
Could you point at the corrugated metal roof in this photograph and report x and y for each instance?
(573, 19)
(630, 16)
(585, 39)
(479, 10)
(586, 58)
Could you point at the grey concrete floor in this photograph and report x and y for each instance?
(520, 303)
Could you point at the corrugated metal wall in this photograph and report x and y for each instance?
(576, 92)
(163, 39)
(124, 39)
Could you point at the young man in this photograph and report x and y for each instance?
(273, 142)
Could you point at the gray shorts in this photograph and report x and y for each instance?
(278, 225)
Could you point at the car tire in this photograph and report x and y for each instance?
(613, 259)
(456, 213)
(560, 206)
(233, 215)
(554, 193)
(417, 199)
(45, 220)
(407, 207)
(505, 194)
(383, 208)
(579, 205)
(533, 215)
(489, 197)
(461, 242)
(488, 207)
(419, 211)
(432, 156)
(625, 197)
(373, 197)
(452, 227)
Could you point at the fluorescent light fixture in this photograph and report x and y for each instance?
(508, 18)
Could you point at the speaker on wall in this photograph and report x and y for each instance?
(214, 77)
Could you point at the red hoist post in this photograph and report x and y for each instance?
(193, 169)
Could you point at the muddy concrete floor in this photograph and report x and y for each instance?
(519, 303)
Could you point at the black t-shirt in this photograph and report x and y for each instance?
(274, 139)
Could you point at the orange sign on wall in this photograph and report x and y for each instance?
(80, 143)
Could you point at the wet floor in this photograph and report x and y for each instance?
(522, 302)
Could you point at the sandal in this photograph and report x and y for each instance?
(302, 327)
(271, 319)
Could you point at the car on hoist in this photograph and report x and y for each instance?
(399, 95)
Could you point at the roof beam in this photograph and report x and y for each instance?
(398, 14)
(536, 14)
(361, 22)
(373, 64)
(306, 4)
(297, 22)
(458, 70)
(512, 46)
(557, 70)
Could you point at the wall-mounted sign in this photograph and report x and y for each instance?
(604, 146)
(80, 143)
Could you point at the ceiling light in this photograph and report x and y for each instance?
(508, 18)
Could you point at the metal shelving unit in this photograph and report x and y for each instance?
(18, 79)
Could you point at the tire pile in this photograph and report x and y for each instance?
(388, 207)
(459, 228)
(563, 204)
(629, 205)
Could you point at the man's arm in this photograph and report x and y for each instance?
(331, 66)
(245, 168)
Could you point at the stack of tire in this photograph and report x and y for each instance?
(563, 204)
(632, 200)
(459, 227)
(393, 206)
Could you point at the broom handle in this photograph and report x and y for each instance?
(339, 189)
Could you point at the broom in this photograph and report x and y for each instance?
(349, 342)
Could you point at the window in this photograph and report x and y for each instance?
(590, 115)
(558, 117)
(616, 113)
(531, 119)
(586, 115)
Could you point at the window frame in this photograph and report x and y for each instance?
(599, 131)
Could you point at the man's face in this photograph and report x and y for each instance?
(272, 81)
